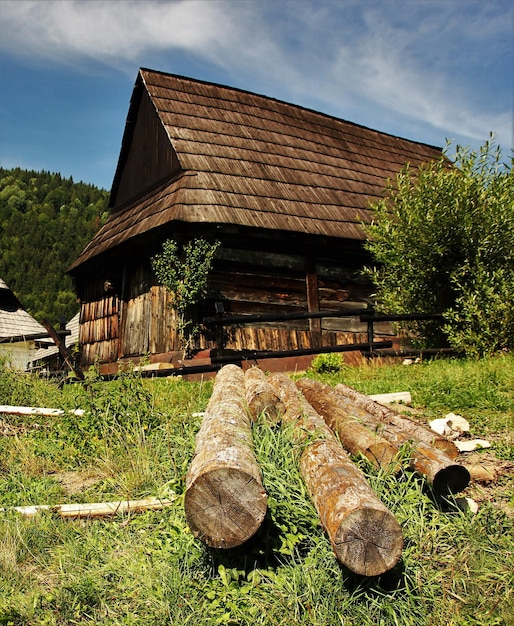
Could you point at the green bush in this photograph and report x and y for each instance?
(443, 242)
(332, 362)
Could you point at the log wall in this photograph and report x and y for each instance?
(135, 318)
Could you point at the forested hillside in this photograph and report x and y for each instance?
(45, 222)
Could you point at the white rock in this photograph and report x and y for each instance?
(467, 504)
(473, 444)
(440, 426)
(457, 423)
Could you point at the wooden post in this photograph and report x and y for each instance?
(261, 398)
(388, 416)
(225, 501)
(355, 437)
(438, 468)
(311, 281)
(63, 350)
(364, 534)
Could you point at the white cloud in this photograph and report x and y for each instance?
(404, 59)
(108, 31)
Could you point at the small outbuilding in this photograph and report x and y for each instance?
(284, 189)
(20, 334)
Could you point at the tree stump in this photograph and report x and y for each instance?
(225, 501)
(261, 398)
(364, 534)
(355, 437)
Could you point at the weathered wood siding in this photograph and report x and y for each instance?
(148, 321)
(253, 282)
(99, 324)
(140, 320)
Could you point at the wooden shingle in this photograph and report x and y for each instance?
(220, 155)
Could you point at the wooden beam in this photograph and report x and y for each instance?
(311, 281)
(63, 350)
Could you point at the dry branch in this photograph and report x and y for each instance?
(364, 534)
(225, 501)
(33, 410)
(95, 509)
(261, 398)
(355, 437)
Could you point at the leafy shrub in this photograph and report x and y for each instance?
(443, 241)
(332, 362)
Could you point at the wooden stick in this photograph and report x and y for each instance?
(262, 401)
(364, 534)
(410, 427)
(95, 509)
(355, 437)
(32, 410)
(225, 501)
(402, 397)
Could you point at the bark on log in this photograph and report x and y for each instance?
(355, 437)
(416, 431)
(225, 501)
(364, 534)
(261, 398)
(440, 470)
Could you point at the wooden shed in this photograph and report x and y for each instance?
(283, 188)
(20, 334)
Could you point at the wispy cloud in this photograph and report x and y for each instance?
(407, 59)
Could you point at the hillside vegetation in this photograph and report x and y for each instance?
(45, 222)
(136, 438)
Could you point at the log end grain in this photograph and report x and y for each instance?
(369, 541)
(451, 479)
(225, 507)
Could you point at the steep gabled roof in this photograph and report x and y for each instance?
(15, 323)
(234, 157)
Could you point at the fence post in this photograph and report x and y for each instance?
(370, 330)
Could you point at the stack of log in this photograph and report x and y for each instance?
(225, 501)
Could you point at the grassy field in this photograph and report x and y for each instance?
(136, 439)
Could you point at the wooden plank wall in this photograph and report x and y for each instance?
(267, 283)
(99, 324)
(148, 319)
(142, 321)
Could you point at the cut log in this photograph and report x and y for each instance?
(364, 534)
(225, 501)
(439, 469)
(413, 429)
(355, 436)
(261, 398)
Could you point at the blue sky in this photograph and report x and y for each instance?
(427, 70)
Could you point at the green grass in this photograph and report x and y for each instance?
(136, 439)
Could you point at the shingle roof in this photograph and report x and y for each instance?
(15, 322)
(250, 160)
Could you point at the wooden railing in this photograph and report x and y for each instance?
(366, 315)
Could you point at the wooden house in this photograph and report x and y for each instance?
(20, 334)
(284, 189)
